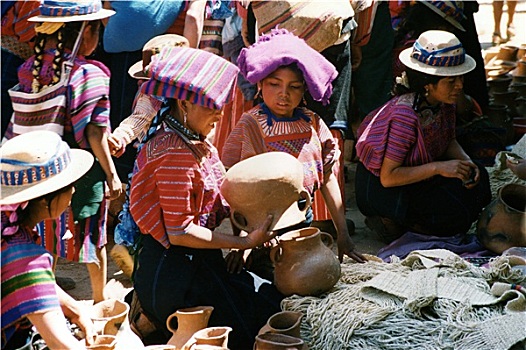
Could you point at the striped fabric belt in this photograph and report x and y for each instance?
(13, 45)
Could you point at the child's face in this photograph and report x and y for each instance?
(282, 91)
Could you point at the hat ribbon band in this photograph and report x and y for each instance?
(430, 58)
(67, 8)
(34, 172)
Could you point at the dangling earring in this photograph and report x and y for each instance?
(304, 101)
(257, 95)
(184, 119)
(427, 93)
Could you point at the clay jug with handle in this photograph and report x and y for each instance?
(210, 337)
(109, 315)
(283, 322)
(304, 263)
(185, 322)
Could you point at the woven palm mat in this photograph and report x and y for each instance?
(430, 300)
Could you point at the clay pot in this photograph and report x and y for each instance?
(275, 341)
(519, 73)
(499, 84)
(284, 322)
(109, 315)
(209, 338)
(502, 224)
(304, 264)
(507, 98)
(268, 183)
(520, 88)
(185, 322)
(103, 342)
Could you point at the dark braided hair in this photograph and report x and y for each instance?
(65, 37)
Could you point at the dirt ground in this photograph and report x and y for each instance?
(366, 241)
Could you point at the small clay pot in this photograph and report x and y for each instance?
(276, 341)
(284, 322)
(499, 84)
(520, 88)
(109, 315)
(502, 224)
(507, 98)
(103, 342)
(189, 321)
(215, 337)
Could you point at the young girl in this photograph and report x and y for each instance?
(63, 28)
(284, 67)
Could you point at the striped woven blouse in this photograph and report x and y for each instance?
(89, 93)
(28, 282)
(395, 131)
(173, 190)
(304, 135)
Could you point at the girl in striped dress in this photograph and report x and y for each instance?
(85, 125)
(284, 67)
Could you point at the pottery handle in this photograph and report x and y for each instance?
(305, 195)
(275, 254)
(169, 322)
(327, 239)
(233, 216)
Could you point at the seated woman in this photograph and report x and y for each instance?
(413, 175)
(176, 203)
(37, 171)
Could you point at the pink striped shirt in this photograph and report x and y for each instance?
(395, 131)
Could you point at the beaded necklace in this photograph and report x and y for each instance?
(176, 125)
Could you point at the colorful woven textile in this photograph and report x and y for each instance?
(281, 48)
(190, 74)
(28, 283)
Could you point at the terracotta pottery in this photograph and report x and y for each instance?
(185, 322)
(268, 183)
(284, 322)
(304, 263)
(520, 88)
(103, 342)
(276, 341)
(499, 84)
(519, 73)
(502, 224)
(507, 98)
(209, 338)
(109, 315)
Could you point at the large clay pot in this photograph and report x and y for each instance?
(502, 224)
(209, 338)
(185, 322)
(284, 322)
(304, 264)
(276, 341)
(268, 183)
(109, 315)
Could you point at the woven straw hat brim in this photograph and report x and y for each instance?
(137, 72)
(466, 67)
(81, 162)
(102, 13)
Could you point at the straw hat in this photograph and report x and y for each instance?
(437, 52)
(153, 47)
(71, 11)
(37, 163)
(451, 11)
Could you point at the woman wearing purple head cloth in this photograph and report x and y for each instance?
(284, 68)
(413, 175)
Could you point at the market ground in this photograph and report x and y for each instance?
(367, 241)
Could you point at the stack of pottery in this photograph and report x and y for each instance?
(506, 73)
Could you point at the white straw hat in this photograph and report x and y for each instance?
(37, 163)
(438, 52)
(71, 11)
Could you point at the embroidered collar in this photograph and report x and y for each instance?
(176, 125)
(297, 115)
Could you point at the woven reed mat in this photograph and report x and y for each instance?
(430, 300)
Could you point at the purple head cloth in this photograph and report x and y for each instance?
(281, 48)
